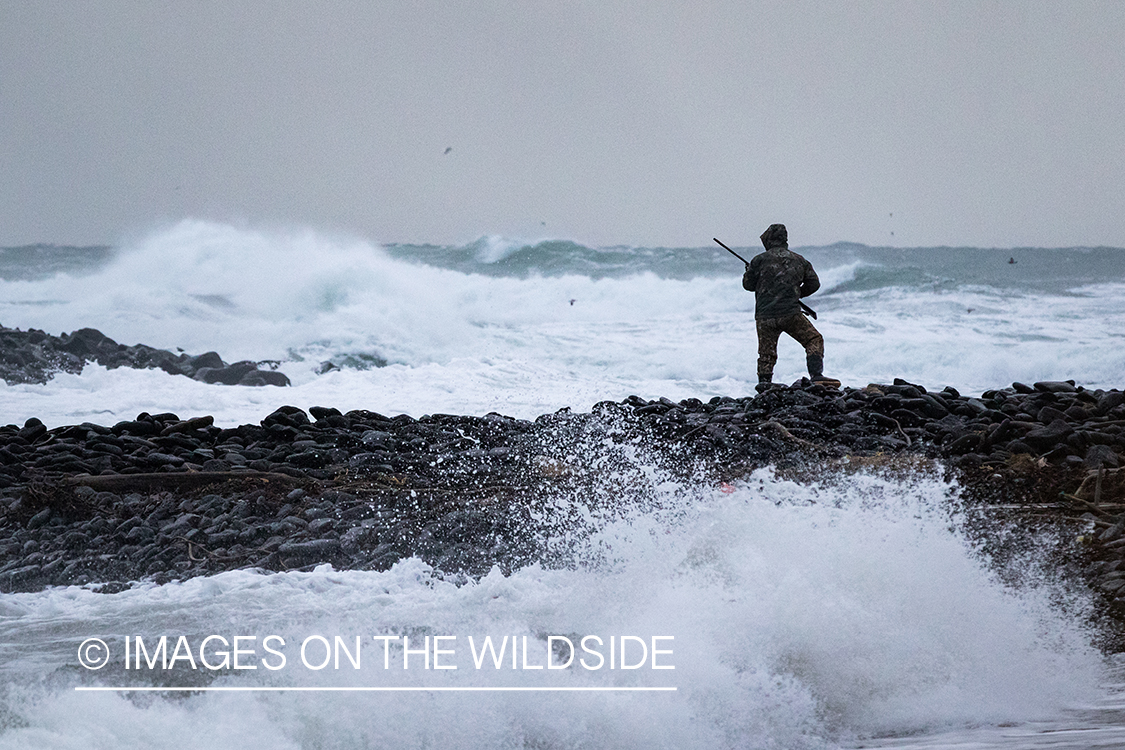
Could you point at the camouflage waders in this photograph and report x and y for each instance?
(800, 328)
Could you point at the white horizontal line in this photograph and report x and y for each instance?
(374, 689)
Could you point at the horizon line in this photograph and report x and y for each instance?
(366, 689)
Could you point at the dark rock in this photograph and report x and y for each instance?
(39, 519)
(33, 429)
(461, 491)
(26, 578)
(964, 444)
(1049, 414)
(1045, 438)
(359, 538)
(321, 525)
(1056, 386)
(907, 418)
(379, 438)
(264, 377)
(1077, 413)
(210, 360)
(1110, 401)
(287, 416)
(883, 421)
(976, 405)
(188, 425)
(370, 461)
(904, 389)
(137, 427)
(323, 412)
(321, 549)
(85, 342)
(34, 357)
(1058, 455)
(309, 459)
(937, 408)
(1098, 456)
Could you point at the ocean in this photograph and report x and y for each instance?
(851, 611)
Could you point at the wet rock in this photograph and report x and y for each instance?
(33, 429)
(187, 425)
(264, 377)
(316, 549)
(1044, 438)
(964, 444)
(287, 416)
(1049, 414)
(1109, 401)
(35, 356)
(1056, 386)
(39, 519)
(1098, 456)
(363, 490)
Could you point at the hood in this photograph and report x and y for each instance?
(775, 236)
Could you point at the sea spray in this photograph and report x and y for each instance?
(528, 328)
(803, 614)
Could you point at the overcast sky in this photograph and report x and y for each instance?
(642, 123)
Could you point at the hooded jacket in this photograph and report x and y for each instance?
(778, 277)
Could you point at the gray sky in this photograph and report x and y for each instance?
(649, 123)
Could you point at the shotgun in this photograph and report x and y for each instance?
(804, 308)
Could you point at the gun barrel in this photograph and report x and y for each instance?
(732, 252)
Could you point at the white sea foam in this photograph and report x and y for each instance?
(834, 276)
(803, 616)
(494, 248)
(466, 342)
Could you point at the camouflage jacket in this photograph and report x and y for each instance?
(779, 277)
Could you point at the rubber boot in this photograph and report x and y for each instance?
(816, 371)
(764, 382)
(816, 366)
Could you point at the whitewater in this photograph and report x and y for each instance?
(849, 611)
(528, 328)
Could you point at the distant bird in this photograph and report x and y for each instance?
(572, 303)
(447, 149)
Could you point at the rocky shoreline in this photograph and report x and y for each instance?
(161, 498)
(34, 356)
